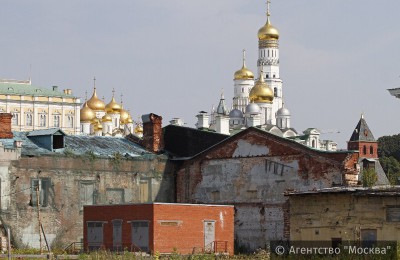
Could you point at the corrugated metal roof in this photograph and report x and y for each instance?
(101, 146)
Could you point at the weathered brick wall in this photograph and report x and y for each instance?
(252, 172)
(62, 217)
(323, 216)
(5, 126)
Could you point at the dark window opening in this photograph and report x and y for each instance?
(364, 149)
(275, 92)
(371, 150)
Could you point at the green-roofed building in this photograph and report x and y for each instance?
(35, 108)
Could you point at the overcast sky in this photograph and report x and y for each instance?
(173, 57)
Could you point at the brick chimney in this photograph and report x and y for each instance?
(152, 132)
(5, 126)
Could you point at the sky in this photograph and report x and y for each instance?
(175, 57)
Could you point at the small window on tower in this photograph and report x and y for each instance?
(267, 76)
(275, 92)
(274, 76)
(371, 150)
(242, 90)
(365, 149)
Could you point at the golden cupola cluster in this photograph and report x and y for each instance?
(95, 106)
(244, 73)
(261, 92)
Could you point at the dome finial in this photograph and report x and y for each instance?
(113, 91)
(85, 95)
(268, 10)
(244, 58)
(94, 83)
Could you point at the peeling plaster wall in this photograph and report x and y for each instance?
(252, 173)
(62, 217)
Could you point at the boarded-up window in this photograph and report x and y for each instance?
(215, 196)
(251, 194)
(145, 190)
(87, 193)
(43, 184)
(115, 196)
(393, 213)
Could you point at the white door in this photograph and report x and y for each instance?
(209, 236)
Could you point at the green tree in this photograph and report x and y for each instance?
(369, 177)
(392, 168)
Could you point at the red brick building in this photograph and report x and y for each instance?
(160, 227)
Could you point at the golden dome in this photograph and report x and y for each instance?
(129, 120)
(124, 115)
(87, 114)
(113, 107)
(268, 31)
(261, 92)
(138, 129)
(95, 103)
(243, 73)
(106, 118)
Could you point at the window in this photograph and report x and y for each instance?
(43, 184)
(371, 150)
(115, 196)
(393, 214)
(56, 119)
(42, 120)
(87, 193)
(364, 149)
(145, 190)
(70, 121)
(266, 76)
(368, 237)
(275, 92)
(14, 120)
(29, 119)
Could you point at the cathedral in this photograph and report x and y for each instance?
(100, 119)
(258, 101)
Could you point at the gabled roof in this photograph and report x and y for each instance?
(50, 131)
(282, 140)
(362, 132)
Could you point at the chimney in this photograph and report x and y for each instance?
(222, 124)
(5, 126)
(55, 88)
(253, 120)
(152, 133)
(202, 120)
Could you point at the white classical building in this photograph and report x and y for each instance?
(259, 101)
(35, 108)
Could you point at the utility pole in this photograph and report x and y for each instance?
(38, 216)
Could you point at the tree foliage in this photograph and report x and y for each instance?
(389, 156)
(369, 177)
(389, 146)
